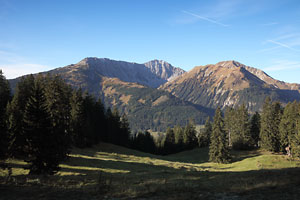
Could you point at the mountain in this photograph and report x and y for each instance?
(155, 95)
(91, 70)
(131, 87)
(230, 83)
(164, 70)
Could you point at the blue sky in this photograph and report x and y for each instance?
(38, 35)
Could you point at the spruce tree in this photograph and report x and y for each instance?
(241, 136)
(4, 100)
(77, 119)
(270, 120)
(41, 148)
(229, 123)
(255, 128)
(100, 120)
(179, 132)
(204, 137)
(295, 139)
(58, 96)
(169, 142)
(218, 148)
(124, 131)
(189, 136)
(15, 110)
(287, 127)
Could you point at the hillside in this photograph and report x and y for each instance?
(112, 172)
(230, 83)
(149, 108)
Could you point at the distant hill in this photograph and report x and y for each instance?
(230, 83)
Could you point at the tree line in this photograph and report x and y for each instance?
(276, 129)
(45, 117)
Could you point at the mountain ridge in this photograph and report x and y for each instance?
(230, 83)
(156, 94)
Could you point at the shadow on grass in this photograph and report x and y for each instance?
(177, 184)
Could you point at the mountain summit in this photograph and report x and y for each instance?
(163, 69)
(91, 69)
(230, 83)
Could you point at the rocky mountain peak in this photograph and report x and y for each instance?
(230, 64)
(164, 69)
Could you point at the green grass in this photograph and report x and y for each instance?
(115, 172)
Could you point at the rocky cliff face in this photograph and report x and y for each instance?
(230, 83)
(164, 70)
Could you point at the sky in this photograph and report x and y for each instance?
(39, 35)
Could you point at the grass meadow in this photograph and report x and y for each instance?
(112, 172)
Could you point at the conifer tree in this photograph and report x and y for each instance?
(241, 136)
(270, 120)
(90, 120)
(58, 96)
(4, 100)
(204, 137)
(287, 127)
(78, 119)
(100, 120)
(124, 131)
(41, 147)
(295, 138)
(255, 128)
(169, 143)
(15, 110)
(144, 142)
(178, 132)
(218, 148)
(189, 137)
(229, 123)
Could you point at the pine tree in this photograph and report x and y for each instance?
(100, 120)
(179, 132)
(255, 128)
(241, 136)
(114, 124)
(287, 127)
(229, 123)
(15, 112)
(218, 148)
(144, 142)
(295, 138)
(78, 119)
(58, 96)
(90, 132)
(204, 137)
(124, 131)
(270, 120)
(41, 148)
(4, 100)
(189, 136)
(169, 142)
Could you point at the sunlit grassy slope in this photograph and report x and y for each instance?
(113, 171)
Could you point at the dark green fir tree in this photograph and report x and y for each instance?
(218, 148)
